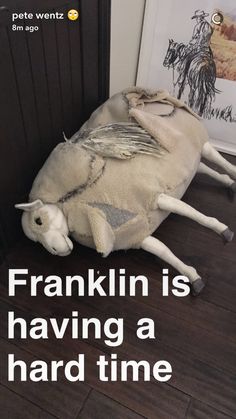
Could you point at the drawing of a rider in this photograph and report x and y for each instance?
(202, 31)
(200, 41)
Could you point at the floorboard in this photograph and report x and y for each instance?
(14, 406)
(199, 410)
(99, 406)
(61, 399)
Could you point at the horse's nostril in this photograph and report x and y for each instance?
(38, 221)
(53, 248)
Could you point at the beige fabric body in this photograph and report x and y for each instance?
(131, 186)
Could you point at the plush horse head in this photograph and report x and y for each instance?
(46, 223)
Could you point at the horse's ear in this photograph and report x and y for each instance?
(31, 206)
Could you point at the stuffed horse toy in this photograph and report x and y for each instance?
(113, 183)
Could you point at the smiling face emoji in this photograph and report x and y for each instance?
(73, 14)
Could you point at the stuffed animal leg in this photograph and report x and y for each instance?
(222, 178)
(219, 177)
(170, 204)
(156, 247)
(212, 155)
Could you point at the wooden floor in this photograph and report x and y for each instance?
(196, 335)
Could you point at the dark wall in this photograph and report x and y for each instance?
(50, 82)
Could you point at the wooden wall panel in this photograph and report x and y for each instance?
(50, 82)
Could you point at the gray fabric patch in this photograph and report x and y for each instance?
(115, 216)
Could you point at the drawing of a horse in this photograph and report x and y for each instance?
(196, 68)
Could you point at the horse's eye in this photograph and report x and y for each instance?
(38, 221)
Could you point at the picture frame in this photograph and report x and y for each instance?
(204, 74)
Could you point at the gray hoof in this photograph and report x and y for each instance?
(232, 191)
(227, 235)
(197, 286)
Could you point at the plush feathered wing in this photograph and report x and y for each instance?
(119, 140)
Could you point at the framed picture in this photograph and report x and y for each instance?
(189, 48)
